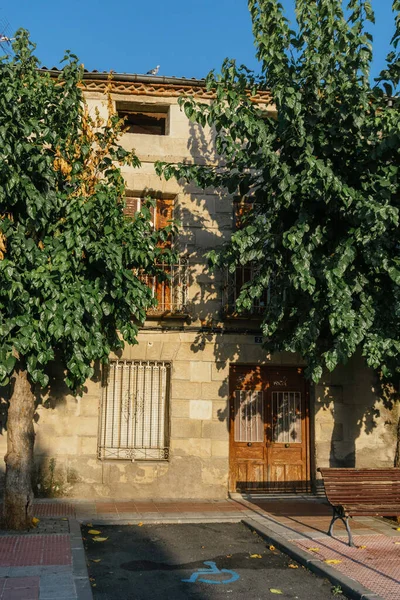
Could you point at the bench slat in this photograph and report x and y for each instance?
(385, 477)
(368, 492)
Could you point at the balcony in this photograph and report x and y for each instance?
(232, 286)
(171, 294)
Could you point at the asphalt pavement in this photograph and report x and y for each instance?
(201, 561)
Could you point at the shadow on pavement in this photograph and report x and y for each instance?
(203, 561)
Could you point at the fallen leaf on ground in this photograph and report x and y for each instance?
(272, 548)
(99, 539)
(229, 556)
(332, 561)
(35, 521)
(64, 519)
(89, 525)
(203, 546)
(397, 528)
(255, 556)
(275, 591)
(140, 524)
(293, 566)
(361, 547)
(94, 532)
(398, 543)
(313, 549)
(94, 584)
(95, 559)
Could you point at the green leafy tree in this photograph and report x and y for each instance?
(322, 177)
(70, 261)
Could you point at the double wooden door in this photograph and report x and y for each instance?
(269, 429)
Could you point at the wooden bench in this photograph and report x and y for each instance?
(361, 492)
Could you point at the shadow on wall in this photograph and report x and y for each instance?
(357, 416)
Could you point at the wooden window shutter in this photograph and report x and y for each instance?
(240, 210)
(132, 206)
(165, 213)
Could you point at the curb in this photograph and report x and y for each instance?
(79, 567)
(350, 587)
(160, 520)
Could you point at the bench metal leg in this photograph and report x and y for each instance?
(338, 513)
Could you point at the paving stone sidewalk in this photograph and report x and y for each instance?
(46, 563)
(373, 564)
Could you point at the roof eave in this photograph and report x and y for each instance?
(93, 76)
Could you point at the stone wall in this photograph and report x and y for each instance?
(67, 427)
(355, 419)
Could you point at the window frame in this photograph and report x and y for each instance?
(147, 110)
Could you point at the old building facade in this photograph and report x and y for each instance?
(197, 408)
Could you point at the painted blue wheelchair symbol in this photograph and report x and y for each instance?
(212, 570)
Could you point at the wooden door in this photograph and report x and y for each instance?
(269, 429)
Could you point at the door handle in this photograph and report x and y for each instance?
(287, 445)
(249, 444)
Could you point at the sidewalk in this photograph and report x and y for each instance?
(46, 563)
(49, 564)
(301, 526)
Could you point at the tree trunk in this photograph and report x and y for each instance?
(18, 497)
(397, 455)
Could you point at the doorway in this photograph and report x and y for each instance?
(269, 429)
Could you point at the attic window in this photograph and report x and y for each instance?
(145, 119)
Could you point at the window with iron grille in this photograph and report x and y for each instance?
(234, 282)
(170, 292)
(243, 274)
(134, 410)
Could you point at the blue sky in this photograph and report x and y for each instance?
(186, 37)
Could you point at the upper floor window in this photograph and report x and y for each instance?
(148, 119)
(243, 274)
(171, 292)
(161, 214)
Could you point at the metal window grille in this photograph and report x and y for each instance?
(233, 286)
(249, 416)
(172, 294)
(134, 411)
(286, 417)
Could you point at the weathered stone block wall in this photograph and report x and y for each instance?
(352, 426)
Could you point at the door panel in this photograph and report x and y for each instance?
(248, 429)
(269, 429)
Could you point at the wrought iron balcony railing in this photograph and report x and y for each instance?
(171, 294)
(232, 286)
